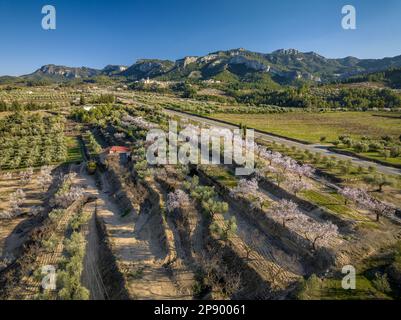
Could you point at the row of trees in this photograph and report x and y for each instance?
(322, 98)
(206, 197)
(363, 200)
(387, 146)
(290, 216)
(29, 106)
(67, 193)
(17, 198)
(31, 140)
(69, 279)
(283, 168)
(91, 143)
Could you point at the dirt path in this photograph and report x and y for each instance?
(136, 248)
(91, 276)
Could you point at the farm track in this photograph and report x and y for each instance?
(238, 244)
(92, 274)
(138, 253)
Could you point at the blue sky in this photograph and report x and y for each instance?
(94, 33)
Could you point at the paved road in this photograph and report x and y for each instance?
(311, 147)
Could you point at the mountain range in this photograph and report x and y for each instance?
(282, 66)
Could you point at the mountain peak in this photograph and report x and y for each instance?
(282, 66)
(63, 72)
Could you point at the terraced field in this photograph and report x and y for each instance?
(126, 229)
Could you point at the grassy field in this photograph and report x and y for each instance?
(74, 150)
(374, 156)
(311, 127)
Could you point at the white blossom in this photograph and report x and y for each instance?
(176, 200)
(45, 177)
(15, 201)
(128, 120)
(35, 210)
(119, 135)
(26, 176)
(245, 187)
(285, 210)
(298, 185)
(65, 199)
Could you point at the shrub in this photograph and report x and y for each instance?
(375, 146)
(361, 147)
(360, 169)
(395, 151)
(395, 267)
(381, 283)
(70, 278)
(345, 169)
(385, 154)
(379, 180)
(309, 289)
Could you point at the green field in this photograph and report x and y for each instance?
(311, 127)
(375, 156)
(74, 153)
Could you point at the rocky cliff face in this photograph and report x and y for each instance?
(147, 68)
(284, 66)
(113, 69)
(250, 64)
(66, 72)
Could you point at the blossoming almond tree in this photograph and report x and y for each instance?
(298, 185)
(176, 199)
(45, 177)
(378, 208)
(303, 171)
(318, 233)
(139, 122)
(245, 187)
(365, 201)
(16, 199)
(65, 199)
(26, 176)
(285, 210)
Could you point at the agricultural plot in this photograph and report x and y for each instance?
(74, 149)
(22, 197)
(131, 230)
(311, 127)
(319, 204)
(47, 96)
(371, 135)
(59, 244)
(31, 140)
